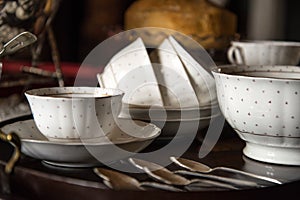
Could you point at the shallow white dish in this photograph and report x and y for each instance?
(170, 128)
(79, 154)
(132, 72)
(181, 127)
(172, 121)
(201, 80)
(154, 113)
(173, 79)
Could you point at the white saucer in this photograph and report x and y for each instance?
(170, 128)
(78, 154)
(174, 114)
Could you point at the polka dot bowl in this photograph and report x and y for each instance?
(73, 113)
(262, 104)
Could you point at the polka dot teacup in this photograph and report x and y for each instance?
(75, 112)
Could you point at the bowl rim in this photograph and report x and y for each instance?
(218, 70)
(45, 93)
(266, 43)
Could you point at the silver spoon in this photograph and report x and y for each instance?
(166, 176)
(119, 181)
(18, 42)
(199, 167)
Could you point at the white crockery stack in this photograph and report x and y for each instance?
(176, 89)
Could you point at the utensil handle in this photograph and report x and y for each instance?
(15, 141)
(248, 174)
(160, 186)
(227, 180)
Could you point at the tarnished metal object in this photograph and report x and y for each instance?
(15, 141)
(120, 181)
(18, 42)
(202, 168)
(35, 16)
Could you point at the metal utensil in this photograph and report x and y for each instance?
(202, 168)
(15, 141)
(18, 42)
(118, 181)
(166, 176)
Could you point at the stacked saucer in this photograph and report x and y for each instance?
(167, 87)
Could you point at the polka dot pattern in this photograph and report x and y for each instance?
(264, 106)
(178, 80)
(71, 113)
(131, 68)
(202, 81)
(173, 79)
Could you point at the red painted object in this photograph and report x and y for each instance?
(13, 80)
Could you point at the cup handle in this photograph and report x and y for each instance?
(15, 141)
(235, 55)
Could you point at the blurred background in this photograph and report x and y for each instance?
(79, 26)
(82, 24)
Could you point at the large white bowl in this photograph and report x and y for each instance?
(75, 112)
(262, 104)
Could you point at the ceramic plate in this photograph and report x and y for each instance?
(171, 74)
(79, 154)
(203, 82)
(143, 113)
(133, 72)
(170, 128)
(108, 80)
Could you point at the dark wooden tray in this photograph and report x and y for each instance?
(32, 179)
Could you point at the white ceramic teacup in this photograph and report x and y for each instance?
(264, 53)
(66, 113)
